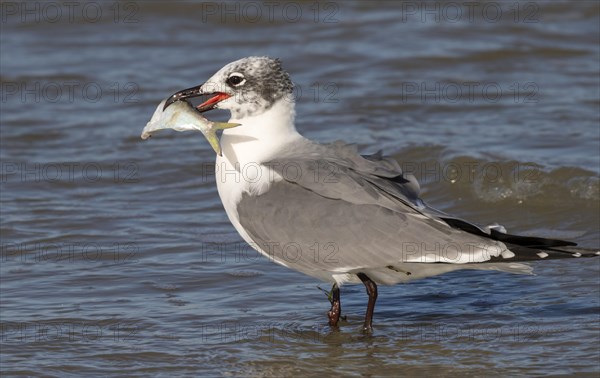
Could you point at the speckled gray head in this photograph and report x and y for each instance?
(247, 87)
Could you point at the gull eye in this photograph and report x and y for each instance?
(235, 80)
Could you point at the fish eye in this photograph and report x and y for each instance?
(236, 79)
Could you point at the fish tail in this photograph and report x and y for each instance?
(225, 125)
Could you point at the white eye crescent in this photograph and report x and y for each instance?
(236, 79)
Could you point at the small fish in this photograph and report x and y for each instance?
(182, 116)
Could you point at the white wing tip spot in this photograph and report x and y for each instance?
(577, 254)
(542, 255)
(495, 226)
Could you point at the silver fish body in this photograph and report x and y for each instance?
(182, 116)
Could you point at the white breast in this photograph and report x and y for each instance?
(245, 148)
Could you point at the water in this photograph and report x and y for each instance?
(118, 259)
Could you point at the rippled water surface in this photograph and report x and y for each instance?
(118, 258)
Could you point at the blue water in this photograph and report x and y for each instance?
(118, 259)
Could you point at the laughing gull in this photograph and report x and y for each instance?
(328, 212)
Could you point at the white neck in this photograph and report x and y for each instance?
(260, 137)
(244, 148)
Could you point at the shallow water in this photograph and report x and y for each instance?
(118, 259)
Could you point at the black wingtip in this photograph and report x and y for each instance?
(530, 241)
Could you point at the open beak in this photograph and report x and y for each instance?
(196, 91)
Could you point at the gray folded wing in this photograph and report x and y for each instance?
(336, 212)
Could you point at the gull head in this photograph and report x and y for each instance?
(247, 87)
